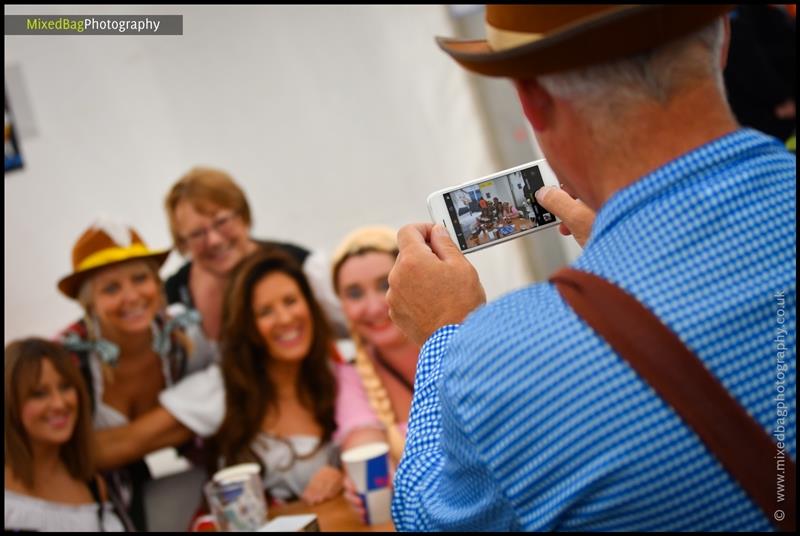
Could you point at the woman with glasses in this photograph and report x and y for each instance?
(210, 222)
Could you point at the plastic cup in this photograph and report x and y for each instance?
(368, 468)
(236, 498)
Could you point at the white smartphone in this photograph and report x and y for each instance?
(495, 208)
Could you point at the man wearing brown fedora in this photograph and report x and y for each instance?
(652, 385)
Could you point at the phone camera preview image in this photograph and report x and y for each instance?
(497, 208)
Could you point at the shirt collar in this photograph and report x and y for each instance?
(698, 161)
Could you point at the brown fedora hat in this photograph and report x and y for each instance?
(525, 41)
(101, 245)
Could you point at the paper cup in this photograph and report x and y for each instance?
(236, 498)
(368, 468)
(236, 472)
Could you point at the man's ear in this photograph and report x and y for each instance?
(536, 102)
(726, 42)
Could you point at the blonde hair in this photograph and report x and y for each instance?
(92, 324)
(378, 398)
(364, 240)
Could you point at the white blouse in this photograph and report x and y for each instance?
(30, 513)
(198, 402)
(286, 476)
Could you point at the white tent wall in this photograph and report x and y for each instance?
(330, 117)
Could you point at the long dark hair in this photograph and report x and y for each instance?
(249, 393)
(22, 369)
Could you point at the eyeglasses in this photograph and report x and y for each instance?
(221, 224)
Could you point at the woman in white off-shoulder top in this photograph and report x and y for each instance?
(50, 478)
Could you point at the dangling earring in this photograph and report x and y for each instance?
(107, 350)
(160, 326)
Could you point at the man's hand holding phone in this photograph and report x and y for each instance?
(576, 218)
(432, 284)
(495, 208)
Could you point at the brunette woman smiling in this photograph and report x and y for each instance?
(289, 402)
(50, 479)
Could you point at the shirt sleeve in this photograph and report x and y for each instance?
(353, 410)
(441, 484)
(197, 401)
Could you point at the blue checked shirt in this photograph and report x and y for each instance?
(523, 419)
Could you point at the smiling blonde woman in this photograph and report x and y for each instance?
(385, 359)
(128, 341)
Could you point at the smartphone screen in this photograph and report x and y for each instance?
(497, 208)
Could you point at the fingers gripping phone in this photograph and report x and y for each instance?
(495, 208)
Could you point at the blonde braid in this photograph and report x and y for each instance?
(378, 399)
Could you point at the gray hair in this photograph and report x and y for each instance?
(654, 75)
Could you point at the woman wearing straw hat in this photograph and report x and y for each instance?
(127, 347)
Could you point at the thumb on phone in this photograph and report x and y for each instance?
(442, 245)
(573, 213)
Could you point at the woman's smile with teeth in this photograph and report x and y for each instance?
(58, 421)
(289, 336)
(134, 313)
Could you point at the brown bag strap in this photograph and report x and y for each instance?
(745, 449)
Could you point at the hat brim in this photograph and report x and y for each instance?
(612, 35)
(71, 284)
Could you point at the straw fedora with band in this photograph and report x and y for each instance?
(525, 41)
(104, 245)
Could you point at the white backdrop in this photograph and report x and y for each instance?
(330, 117)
